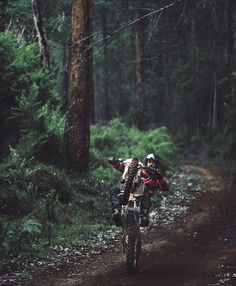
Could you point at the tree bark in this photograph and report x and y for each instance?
(41, 34)
(139, 52)
(78, 134)
(140, 67)
(230, 33)
(231, 62)
(214, 116)
(92, 93)
(91, 88)
(105, 54)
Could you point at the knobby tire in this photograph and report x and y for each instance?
(132, 253)
(129, 181)
(133, 242)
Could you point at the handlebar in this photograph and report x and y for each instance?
(152, 172)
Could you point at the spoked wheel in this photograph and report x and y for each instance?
(132, 252)
(129, 181)
(131, 232)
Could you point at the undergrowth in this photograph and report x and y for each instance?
(42, 202)
(45, 205)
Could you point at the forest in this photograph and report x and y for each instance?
(84, 80)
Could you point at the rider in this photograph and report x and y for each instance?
(152, 181)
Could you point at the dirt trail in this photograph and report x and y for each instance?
(200, 250)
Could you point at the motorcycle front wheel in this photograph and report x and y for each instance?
(132, 249)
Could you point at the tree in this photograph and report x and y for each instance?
(140, 30)
(78, 133)
(41, 34)
(106, 64)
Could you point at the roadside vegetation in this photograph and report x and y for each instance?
(43, 203)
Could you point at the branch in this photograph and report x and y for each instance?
(144, 17)
(110, 35)
(171, 36)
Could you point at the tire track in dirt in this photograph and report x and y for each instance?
(191, 253)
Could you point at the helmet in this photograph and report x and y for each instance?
(154, 157)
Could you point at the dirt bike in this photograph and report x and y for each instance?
(132, 192)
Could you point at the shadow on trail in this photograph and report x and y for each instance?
(198, 250)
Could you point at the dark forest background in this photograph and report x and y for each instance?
(161, 79)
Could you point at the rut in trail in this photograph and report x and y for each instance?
(197, 248)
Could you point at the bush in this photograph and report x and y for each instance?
(19, 236)
(118, 140)
(32, 188)
(23, 180)
(222, 145)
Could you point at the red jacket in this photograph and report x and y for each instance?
(152, 178)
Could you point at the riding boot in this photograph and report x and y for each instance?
(116, 207)
(145, 207)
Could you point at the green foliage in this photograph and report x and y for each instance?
(222, 144)
(7, 53)
(42, 127)
(30, 189)
(39, 200)
(19, 69)
(57, 24)
(117, 139)
(62, 203)
(7, 76)
(19, 236)
(28, 94)
(31, 227)
(24, 180)
(28, 98)
(21, 11)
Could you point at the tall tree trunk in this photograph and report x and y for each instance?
(230, 34)
(3, 15)
(214, 116)
(231, 64)
(91, 89)
(78, 134)
(167, 90)
(140, 67)
(231, 61)
(92, 94)
(97, 83)
(41, 34)
(66, 58)
(139, 51)
(106, 98)
(215, 75)
(195, 77)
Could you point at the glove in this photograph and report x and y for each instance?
(154, 174)
(158, 174)
(112, 160)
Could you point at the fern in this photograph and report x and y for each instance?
(31, 227)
